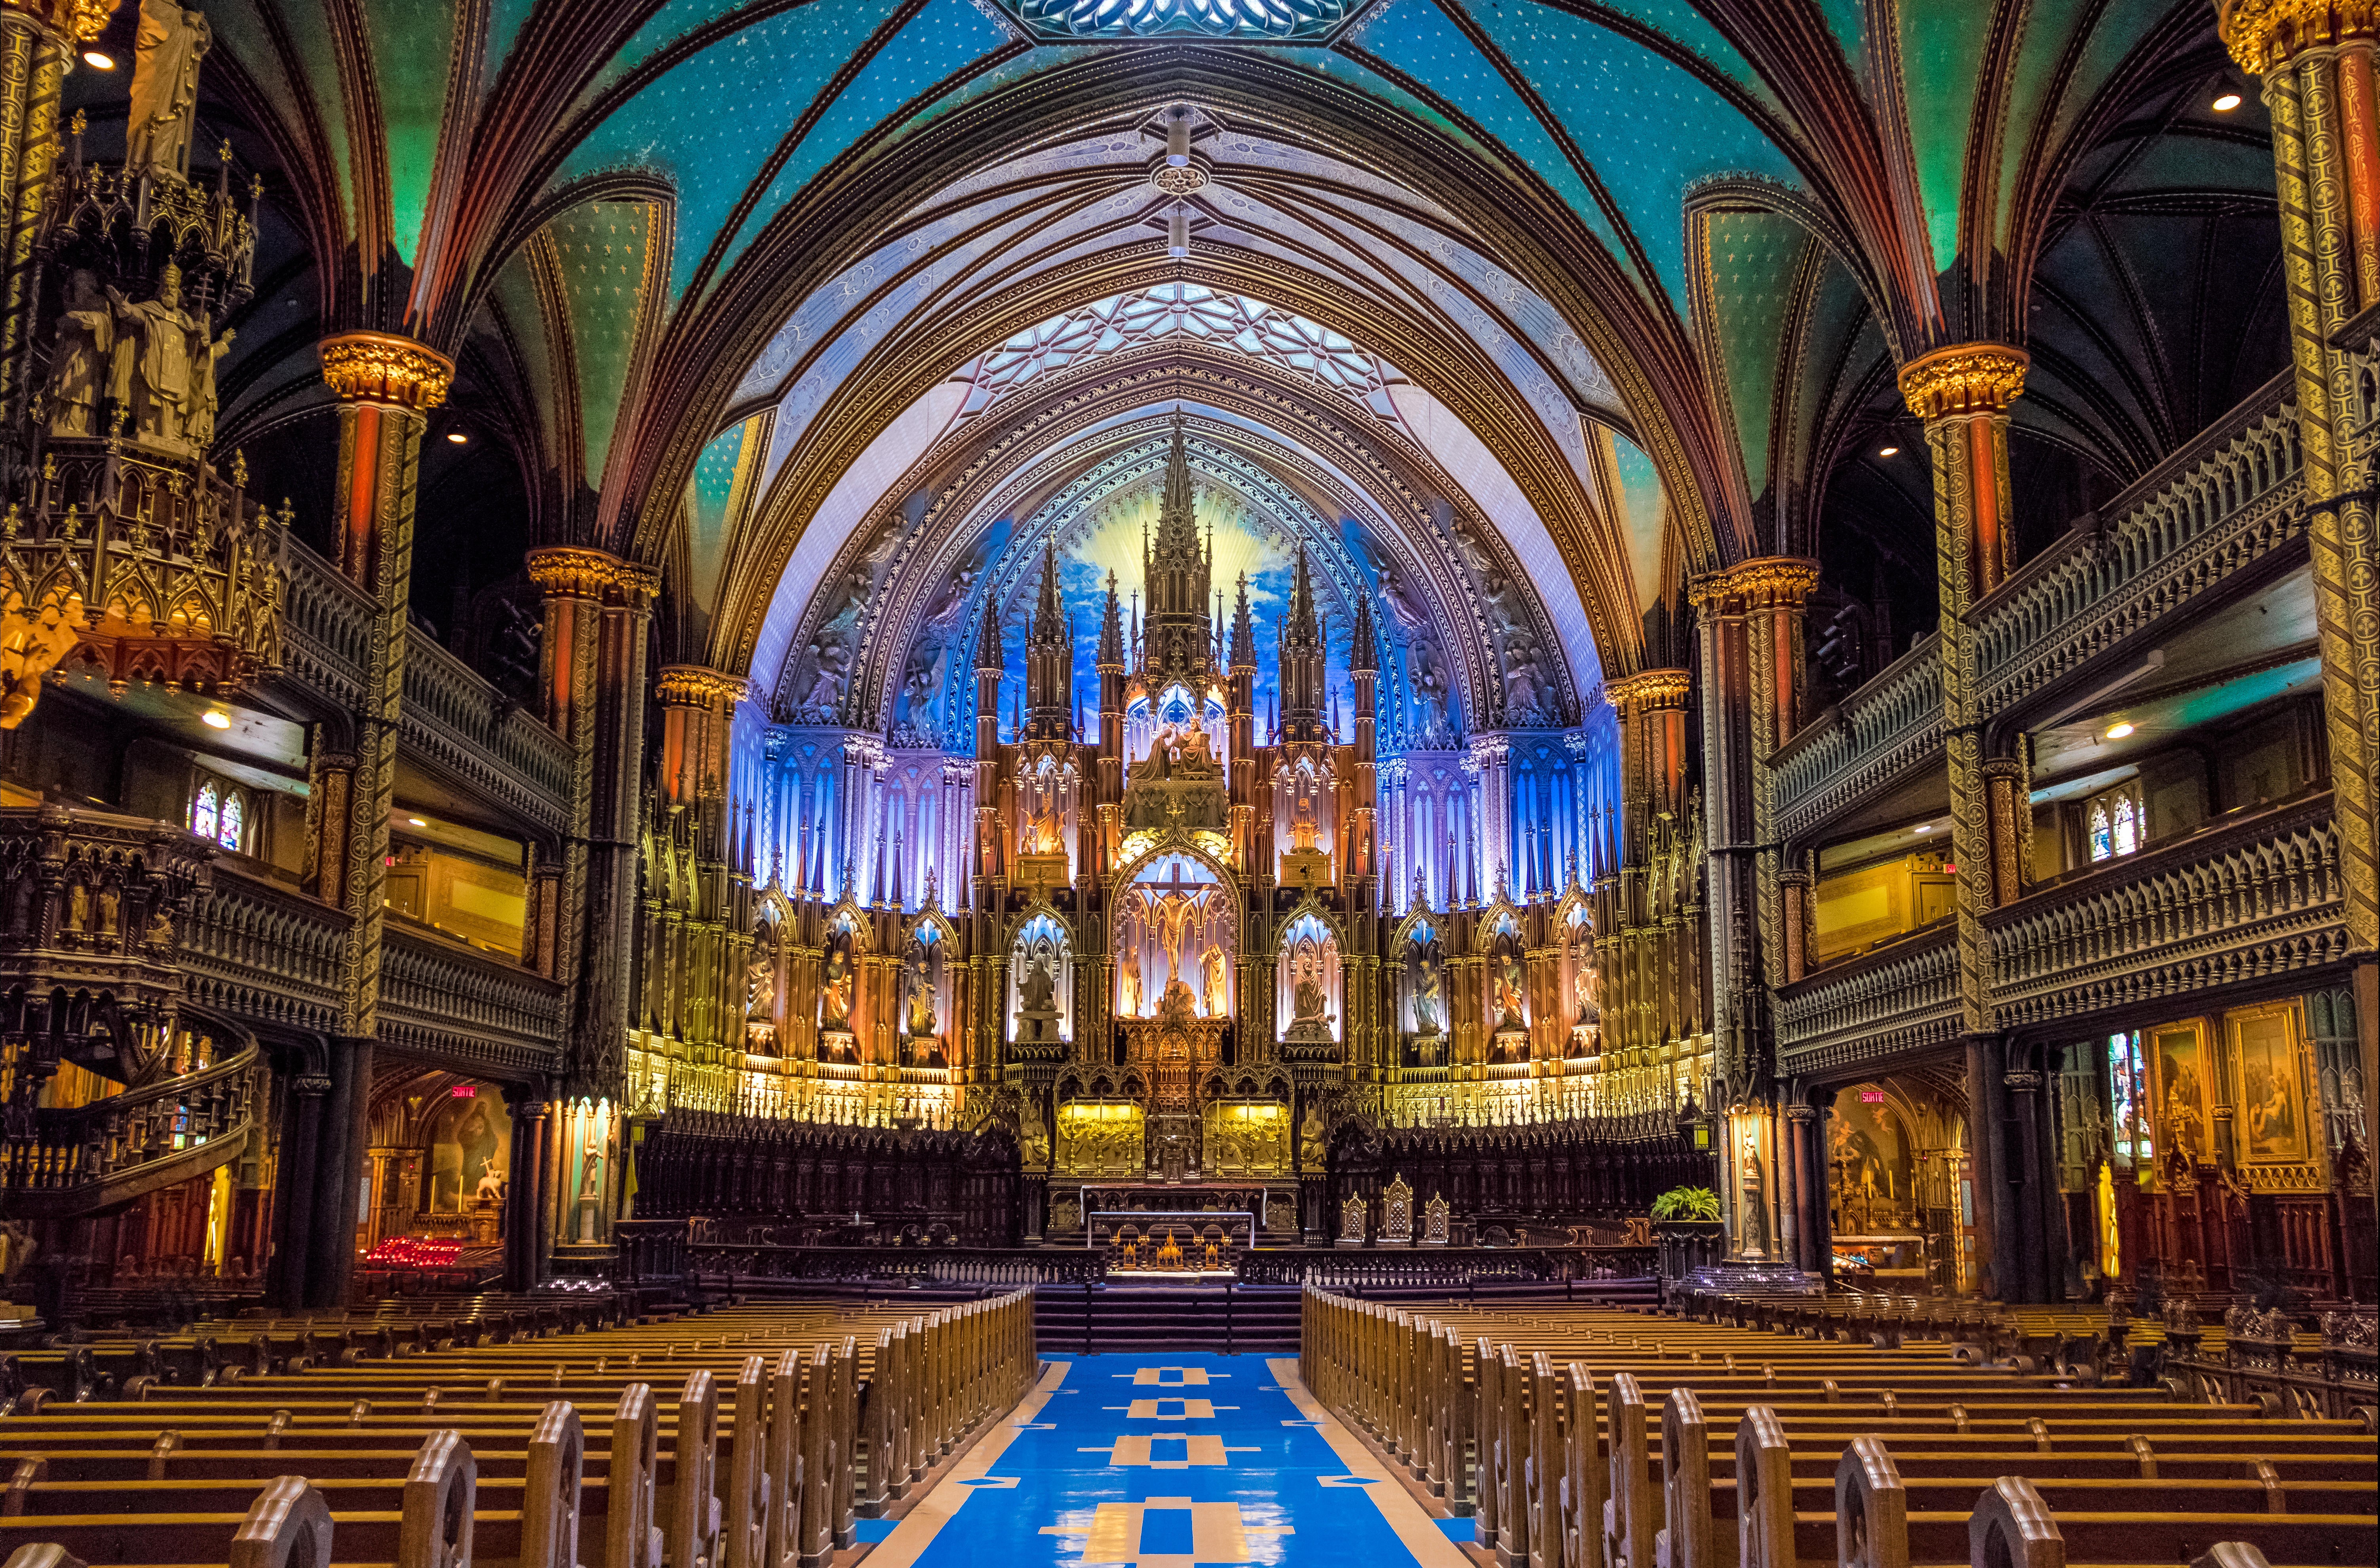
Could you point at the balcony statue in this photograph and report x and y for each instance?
(165, 55)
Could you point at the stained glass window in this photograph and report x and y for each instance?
(2128, 1098)
(234, 817)
(2111, 821)
(202, 812)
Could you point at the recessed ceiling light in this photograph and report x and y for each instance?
(2119, 731)
(417, 822)
(1925, 827)
(215, 718)
(98, 61)
(458, 437)
(1889, 452)
(2227, 102)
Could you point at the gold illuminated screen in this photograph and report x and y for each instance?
(1099, 1138)
(1246, 1139)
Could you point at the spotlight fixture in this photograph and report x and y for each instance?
(2120, 729)
(98, 60)
(458, 437)
(1177, 232)
(1889, 452)
(215, 718)
(417, 822)
(1925, 827)
(1177, 140)
(2226, 102)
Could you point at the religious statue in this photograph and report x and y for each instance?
(1311, 1137)
(1302, 829)
(1218, 988)
(492, 1183)
(1583, 988)
(1174, 932)
(921, 1004)
(1033, 1137)
(1038, 990)
(79, 360)
(590, 1196)
(1128, 999)
(1429, 1000)
(1508, 994)
(1313, 1001)
(760, 985)
(834, 990)
(150, 372)
(204, 356)
(1177, 1004)
(164, 89)
(1754, 1217)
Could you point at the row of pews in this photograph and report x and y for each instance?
(1589, 1438)
(752, 1437)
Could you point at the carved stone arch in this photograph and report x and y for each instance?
(1492, 923)
(1419, 916)
(936, 919)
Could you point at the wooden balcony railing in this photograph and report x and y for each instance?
(437, 995)
(452, 718)
(2225, 500)
(1890, 725)
(2259, 893)
(263, 951)
(192, 1112)
(1897, 998)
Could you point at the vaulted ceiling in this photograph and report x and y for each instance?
(1618, 287)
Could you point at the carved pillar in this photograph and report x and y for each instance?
(386, 386)
(2033, 1249)
(1800, 1208)
(2316, 60)
(1962, 395)
(36, 42)
(300, 1148)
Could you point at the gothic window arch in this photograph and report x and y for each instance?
(2113, 823)
(221, 812)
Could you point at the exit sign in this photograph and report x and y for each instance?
(1867, 1096)
(468, 1091)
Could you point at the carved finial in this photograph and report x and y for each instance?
(288, 513)
(225, 150)
(76, 126)
(239, 468)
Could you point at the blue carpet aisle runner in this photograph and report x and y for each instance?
(1168, 1462)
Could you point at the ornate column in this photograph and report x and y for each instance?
(385, 385)
(697, 713)
(300, 1148)
(37, 39)
(2317, 59)
(573, 583)
(1963, 392)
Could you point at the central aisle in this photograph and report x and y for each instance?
(1181, 1461)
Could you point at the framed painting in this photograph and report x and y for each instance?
(2269, 1087)
(2183, 1102)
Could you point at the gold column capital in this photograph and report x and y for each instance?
(572, 571)
(2263, 34)
(1654, 689)
(82, 20)
(380, 367)
(636, 585)
(697, 686)
(1765, 582)
(1966, 378)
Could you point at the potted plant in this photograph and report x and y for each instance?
(1686, 1205)
(1687, 1220)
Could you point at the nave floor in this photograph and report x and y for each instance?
(1180, 1460)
